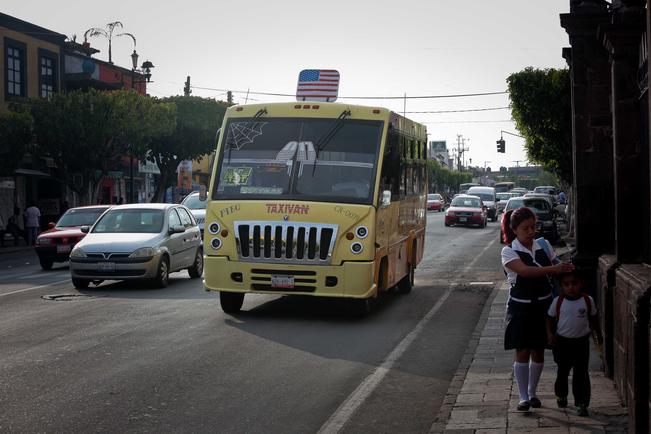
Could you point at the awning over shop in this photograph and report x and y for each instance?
(31, 172)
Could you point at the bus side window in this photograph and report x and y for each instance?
(390, 177)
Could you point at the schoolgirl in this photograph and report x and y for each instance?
(527, 266)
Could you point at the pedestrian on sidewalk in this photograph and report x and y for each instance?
(32, 223)
(527, 266)
(574, 314)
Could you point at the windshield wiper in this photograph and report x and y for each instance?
(262, 111)
(325, 139)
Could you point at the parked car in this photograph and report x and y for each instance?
(197, 207)
(435, 202)
(466, 210)
(55, 244)
(487, 195)
(502, 198)
(548, 189)
(549, 198)
(138, 241)
(546, 224)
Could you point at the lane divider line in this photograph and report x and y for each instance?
(345, 412)
(348, 408)
(34, 287)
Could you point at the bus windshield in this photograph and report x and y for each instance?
(308, 159)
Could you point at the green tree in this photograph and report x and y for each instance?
(193, 137)
(87, 133)
(15, 137)
(442, 179)
(541, 108)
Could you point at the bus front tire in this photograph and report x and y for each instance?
(360, 307)
(231, 302)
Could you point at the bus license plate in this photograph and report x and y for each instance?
(462, 219)
(106, 267)
(279, 281)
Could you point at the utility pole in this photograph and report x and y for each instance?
(229, 97)
(186, 89)
(459, 153)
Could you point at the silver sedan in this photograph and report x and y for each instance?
(138, 241)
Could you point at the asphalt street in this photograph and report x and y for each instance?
(123, 357)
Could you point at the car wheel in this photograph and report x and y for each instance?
(80, 283)
(231, 302)
(163, 276)
(196, 270)
(446, 224)
(46, 264)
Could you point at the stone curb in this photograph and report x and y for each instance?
(459, 377)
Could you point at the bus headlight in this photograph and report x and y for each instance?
(361, 232)
(214, 228)
(215, 243)
(356, 248)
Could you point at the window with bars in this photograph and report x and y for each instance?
(15, 70)
(47, 76)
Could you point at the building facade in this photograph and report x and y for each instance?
(609, 72)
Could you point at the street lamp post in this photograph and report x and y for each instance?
(145, 69)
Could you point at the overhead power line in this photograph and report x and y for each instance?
(460, 95)
(468, 122)
(463, 111)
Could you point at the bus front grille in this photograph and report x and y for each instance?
(285, 242)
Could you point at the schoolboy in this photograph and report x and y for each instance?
(575, 316)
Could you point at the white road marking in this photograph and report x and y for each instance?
(348, 408)
(34, 287)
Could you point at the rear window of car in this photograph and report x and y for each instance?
(514, 203)
(193, 202)
(466, 201)
(434, 197)
(537, 204)
(80, 217)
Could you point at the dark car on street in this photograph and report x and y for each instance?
(55, 244)
(546, 216)
(466, 210)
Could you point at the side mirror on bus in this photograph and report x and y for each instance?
(386, 198)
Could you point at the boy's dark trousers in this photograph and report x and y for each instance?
(573, 354)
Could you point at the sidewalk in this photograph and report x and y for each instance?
(485, 396)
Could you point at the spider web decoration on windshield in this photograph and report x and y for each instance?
(243, 133)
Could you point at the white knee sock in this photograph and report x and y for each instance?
(535, 370)
(521, 371)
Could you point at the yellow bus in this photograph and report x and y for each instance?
(320, 199)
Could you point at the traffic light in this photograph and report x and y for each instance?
(500, 146)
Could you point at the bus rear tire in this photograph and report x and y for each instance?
(231, 302)
(407, 282)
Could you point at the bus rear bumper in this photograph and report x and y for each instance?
(351, 279)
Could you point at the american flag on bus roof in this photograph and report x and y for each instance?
(318, 85)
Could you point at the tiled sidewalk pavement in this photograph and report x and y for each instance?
(485, 400)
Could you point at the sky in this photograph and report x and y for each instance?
(381, 48)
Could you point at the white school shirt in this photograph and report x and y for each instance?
(573, 321)
(509, 254)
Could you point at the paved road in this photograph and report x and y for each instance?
(127, 358)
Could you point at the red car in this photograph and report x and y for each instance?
(466, 210)
(55, 244)
(435, 202)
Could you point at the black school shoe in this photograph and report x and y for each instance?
(535, 402)
(524, 406)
